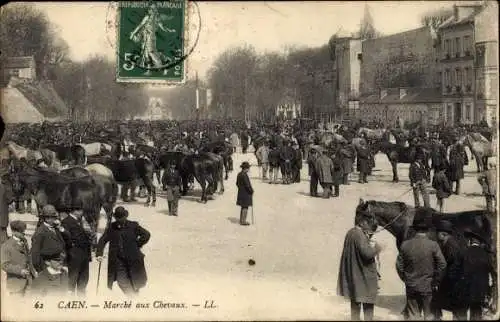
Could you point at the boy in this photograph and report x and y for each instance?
(53, 280)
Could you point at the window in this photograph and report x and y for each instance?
(457, 47)
(458, 77)
(467, 46)
(14, 72)
(447, 48)
(468, 112)
(449, 113)
(447, 80)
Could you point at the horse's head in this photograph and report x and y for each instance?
(364, 213)
(384, 214)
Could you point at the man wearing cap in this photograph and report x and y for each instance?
(53, 279)
(16, 261)
(420, 265)
(245, 192)
(297, 164)
(79, 251)
(125, 258)
(173, 182)
(418, 178)
(49, 238)
(446, 298)
(478, 269)
(363, 155)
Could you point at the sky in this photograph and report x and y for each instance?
(267, 26)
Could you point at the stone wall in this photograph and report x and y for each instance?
(407, 59)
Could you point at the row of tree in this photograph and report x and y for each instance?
(88, 88)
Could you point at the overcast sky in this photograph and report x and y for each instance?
(268, 26)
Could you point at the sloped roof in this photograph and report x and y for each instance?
(454, 20)
(19, 62)
(413, 95)
(43, 97)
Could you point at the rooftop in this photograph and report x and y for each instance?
(413, 95)
(462, 14)
(19, 62)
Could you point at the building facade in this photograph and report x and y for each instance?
(408, 104)
(456, 44)
(20, 67)
(486, 66)
(347, 73)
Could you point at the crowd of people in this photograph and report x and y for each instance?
(62, 245)
(58, 261)
(438, 275)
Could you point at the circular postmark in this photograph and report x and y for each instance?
(152, 35)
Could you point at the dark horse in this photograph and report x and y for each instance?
(225, 150)
(207, 168)
(66, 154)
(397, 218)
(402, 154)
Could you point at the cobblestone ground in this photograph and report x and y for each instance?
(296, 242)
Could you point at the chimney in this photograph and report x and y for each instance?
(383, 93)
(402, 93)
(455, 12)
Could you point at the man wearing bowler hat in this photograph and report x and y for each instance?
(446, 298)
(125, 259)
(478, 269)
(49, 238)
(245, 192)
(420, 265)
(16, 262)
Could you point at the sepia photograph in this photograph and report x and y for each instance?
(249, 161)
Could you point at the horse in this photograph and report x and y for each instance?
(66, 154)
(328, 138)
(376, 134)
(225, 150)
(397, 218)
(19, 152)
(96, 148)
(480, 148)
(401, 154)
(207, 168)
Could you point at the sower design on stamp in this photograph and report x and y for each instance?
(151, 41)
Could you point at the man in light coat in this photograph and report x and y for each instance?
(488, 181)
(325, 170)
(16, 261)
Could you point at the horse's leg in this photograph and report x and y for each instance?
(395, 177)
(133, 187)
(202, 182)
(485, 162)
(479, 160)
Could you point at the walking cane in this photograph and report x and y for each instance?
(253, 218)
(98, 278)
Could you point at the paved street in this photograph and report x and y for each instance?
(203, 254)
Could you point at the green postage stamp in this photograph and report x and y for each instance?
(151, 41)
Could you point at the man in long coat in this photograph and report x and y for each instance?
(446, 297)
(338, 172)
(488, 181)
(358, 279)
(324, 169)
(311, 162)
(456, 161)
(125, 259)
(363, 155)
(347, 154)
(245, 193)
(6, 197)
